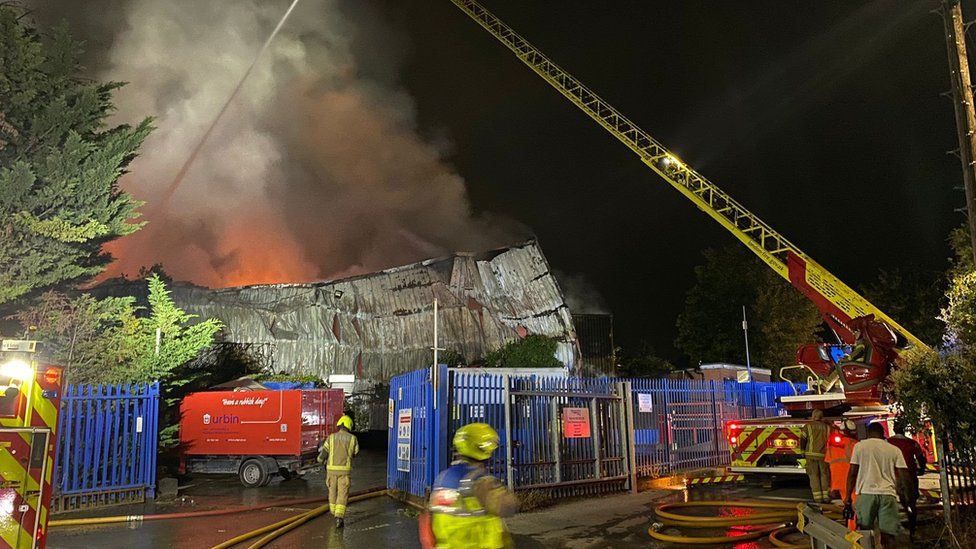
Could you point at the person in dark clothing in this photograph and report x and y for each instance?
(915, 459)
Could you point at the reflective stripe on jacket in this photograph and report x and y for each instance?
(815, 435)
(458, 518)
(339, 447)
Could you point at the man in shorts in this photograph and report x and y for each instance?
(878, 474)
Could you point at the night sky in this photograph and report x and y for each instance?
(824, 118)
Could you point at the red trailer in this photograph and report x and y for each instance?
(256, 434)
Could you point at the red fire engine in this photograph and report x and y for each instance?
(30, 399)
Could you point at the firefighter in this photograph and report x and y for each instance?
(814, 440)
(467, 504)
(339, 449)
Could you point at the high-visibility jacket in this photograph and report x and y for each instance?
(815, 436)
(339, 449)
(466, 507)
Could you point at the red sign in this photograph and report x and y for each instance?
(576, 423)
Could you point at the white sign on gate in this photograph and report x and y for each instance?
(645, 402)
(404, 419)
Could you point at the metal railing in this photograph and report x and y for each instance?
(107, 445)
(574, 435)
(957, 477)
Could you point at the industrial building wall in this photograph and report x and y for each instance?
(378, 325)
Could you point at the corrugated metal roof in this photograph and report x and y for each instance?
(381, 324)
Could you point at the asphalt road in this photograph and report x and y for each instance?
(616, 521)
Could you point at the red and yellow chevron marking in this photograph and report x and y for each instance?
(930, 493)
(26, 486)
(756, 441)
(714, 480)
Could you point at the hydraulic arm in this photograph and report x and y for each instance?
(852, 317)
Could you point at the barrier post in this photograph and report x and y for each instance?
(439, 422)
(554, 440)
(595, 434)
(507, 398)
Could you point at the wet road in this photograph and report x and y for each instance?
(379, 522)
(610, 522)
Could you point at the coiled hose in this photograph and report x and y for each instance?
(775, 516)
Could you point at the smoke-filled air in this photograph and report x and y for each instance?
(316, 170)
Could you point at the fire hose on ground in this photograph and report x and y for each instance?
(272, 530)
(776, 518)
(282, 527)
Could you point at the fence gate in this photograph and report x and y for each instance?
(694, 418)
(569, 435)
(107, 445)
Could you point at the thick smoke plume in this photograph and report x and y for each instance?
(317, 170)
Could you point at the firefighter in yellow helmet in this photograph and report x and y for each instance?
(339, 449)
(467, 504)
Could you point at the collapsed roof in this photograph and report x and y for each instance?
(381, 324)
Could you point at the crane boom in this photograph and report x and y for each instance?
(838, 303)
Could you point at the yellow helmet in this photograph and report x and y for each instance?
(345, 421)
(476, 441)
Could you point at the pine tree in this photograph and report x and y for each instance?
(59, 162)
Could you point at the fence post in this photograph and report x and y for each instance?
(507, 396)
(666, 384)
(944, 481)
(439, 421)
(595, 434)
(718, 426)
(554, 439)
(627, 430)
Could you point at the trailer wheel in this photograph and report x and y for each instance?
(253, 473)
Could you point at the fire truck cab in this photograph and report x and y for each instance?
(30, 399)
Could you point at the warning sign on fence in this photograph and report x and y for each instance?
(576, 423)
(404, 419)
(645, 402)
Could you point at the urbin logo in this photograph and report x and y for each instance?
(225, 419)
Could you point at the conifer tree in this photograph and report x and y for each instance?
(59, 162)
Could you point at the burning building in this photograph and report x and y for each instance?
(377, 325)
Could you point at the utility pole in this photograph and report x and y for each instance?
(745, 331)
(435, 333)
(752, 382)
(962, 101)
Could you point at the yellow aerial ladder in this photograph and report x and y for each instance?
(851, 316)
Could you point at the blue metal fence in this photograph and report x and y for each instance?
(675, 425)
(480, 397)
(679, 424)
(418, 420)
(107, 445)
